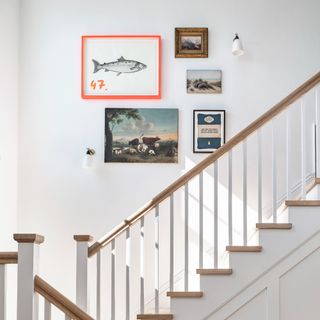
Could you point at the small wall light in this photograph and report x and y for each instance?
(88, 159)
(237, 48)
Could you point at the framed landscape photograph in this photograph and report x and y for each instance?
(204, 81)
(208, 130)
(121, 67)
(141, 135)
(191, 42)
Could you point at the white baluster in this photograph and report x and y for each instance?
(201, 220)
(82, 270)
(28, 264)
(156, 260)
(303, 153)
(315, 149)
(3, 291)
(128, 264)
(186, 237)
(317, 142)
(113, 279)
(244, 195)
(215, 215)
(288, 142)
(230, 222)
(98, 285)
(47, 310)
(171, 241)
(142, 265)
(274, 171)
(259, 176)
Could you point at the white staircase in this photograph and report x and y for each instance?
(209, 246)
(260, 274)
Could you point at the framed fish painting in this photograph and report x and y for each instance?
(121, 67)
(208, 130)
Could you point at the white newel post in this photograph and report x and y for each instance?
(82, 270)
(28, 264)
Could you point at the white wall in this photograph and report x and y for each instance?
(9, 86)
(56, 196)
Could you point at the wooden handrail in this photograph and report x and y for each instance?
(266, 117)
(59, 300)
(8, 257)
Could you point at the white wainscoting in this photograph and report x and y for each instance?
(288, 291)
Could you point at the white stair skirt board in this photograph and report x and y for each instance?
(249, 266)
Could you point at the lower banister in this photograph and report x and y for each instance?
(53, 296)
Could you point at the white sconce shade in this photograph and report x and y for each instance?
(237, 48)
(88, 159)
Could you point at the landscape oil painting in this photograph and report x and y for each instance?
(121, 67)
(141, 135)
(191, 42)
(204, 81)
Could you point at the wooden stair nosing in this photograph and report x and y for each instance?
(184, 294)
(276, 226)
(244, 248)
(208, 272)
(302, 203)
(154, 316)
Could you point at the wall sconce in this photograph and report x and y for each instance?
(88, 159)
(237, 48)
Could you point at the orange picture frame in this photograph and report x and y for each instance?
(120, 66)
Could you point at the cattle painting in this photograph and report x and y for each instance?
(141, 135)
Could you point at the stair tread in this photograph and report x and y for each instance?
(244, 248)
(274, 225)
(214, 271)
(152, 316)
(302, 203)
(185, 294)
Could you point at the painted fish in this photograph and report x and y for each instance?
(120, 66)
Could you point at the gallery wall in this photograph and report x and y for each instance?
(57, 197)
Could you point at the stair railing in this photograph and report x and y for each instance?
(54, 297)
(296, 128)
(6, 258)
(31, 285)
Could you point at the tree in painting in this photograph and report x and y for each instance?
(114, 117)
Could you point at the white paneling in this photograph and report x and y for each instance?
(254, 309)
(300, 290)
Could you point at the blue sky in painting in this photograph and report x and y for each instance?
(154, 122)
